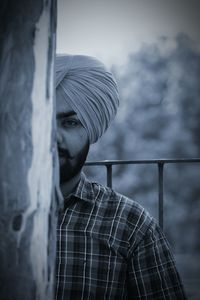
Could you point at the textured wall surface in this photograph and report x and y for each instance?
(28, 149)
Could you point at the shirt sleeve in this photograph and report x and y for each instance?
(152, 273)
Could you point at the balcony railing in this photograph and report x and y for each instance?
(159, 162)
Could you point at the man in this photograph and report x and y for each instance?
(108, 245)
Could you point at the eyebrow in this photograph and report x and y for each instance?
(66, 114)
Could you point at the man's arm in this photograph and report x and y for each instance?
(152, 273)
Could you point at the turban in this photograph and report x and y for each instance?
(90, 90)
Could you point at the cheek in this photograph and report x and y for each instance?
(79, 143)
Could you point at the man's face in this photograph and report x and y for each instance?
(72, 140)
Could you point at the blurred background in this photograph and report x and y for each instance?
(153, 49)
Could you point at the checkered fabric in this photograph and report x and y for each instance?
(108, 247)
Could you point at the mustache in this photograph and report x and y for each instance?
(64, 152)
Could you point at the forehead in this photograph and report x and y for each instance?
(62, 106)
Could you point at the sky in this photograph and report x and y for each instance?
(111, 29)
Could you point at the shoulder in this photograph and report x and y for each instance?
(134, 218)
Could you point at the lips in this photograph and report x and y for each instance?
(63, 153)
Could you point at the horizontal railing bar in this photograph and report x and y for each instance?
(160, 162)
(142, 161)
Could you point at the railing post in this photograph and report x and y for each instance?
(160, 193)
(109, 175)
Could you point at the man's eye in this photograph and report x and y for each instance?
(70, 123)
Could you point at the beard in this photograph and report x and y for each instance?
(71, 166)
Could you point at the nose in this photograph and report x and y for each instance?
(59, 137)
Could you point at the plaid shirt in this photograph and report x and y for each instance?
(110, 248)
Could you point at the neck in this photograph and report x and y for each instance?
(68, 186)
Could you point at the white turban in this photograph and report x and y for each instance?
(90, 90)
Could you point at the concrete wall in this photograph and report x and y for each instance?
(27, 149)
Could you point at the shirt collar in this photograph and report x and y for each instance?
(84, 190)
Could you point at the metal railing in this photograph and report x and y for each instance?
(160, 163)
